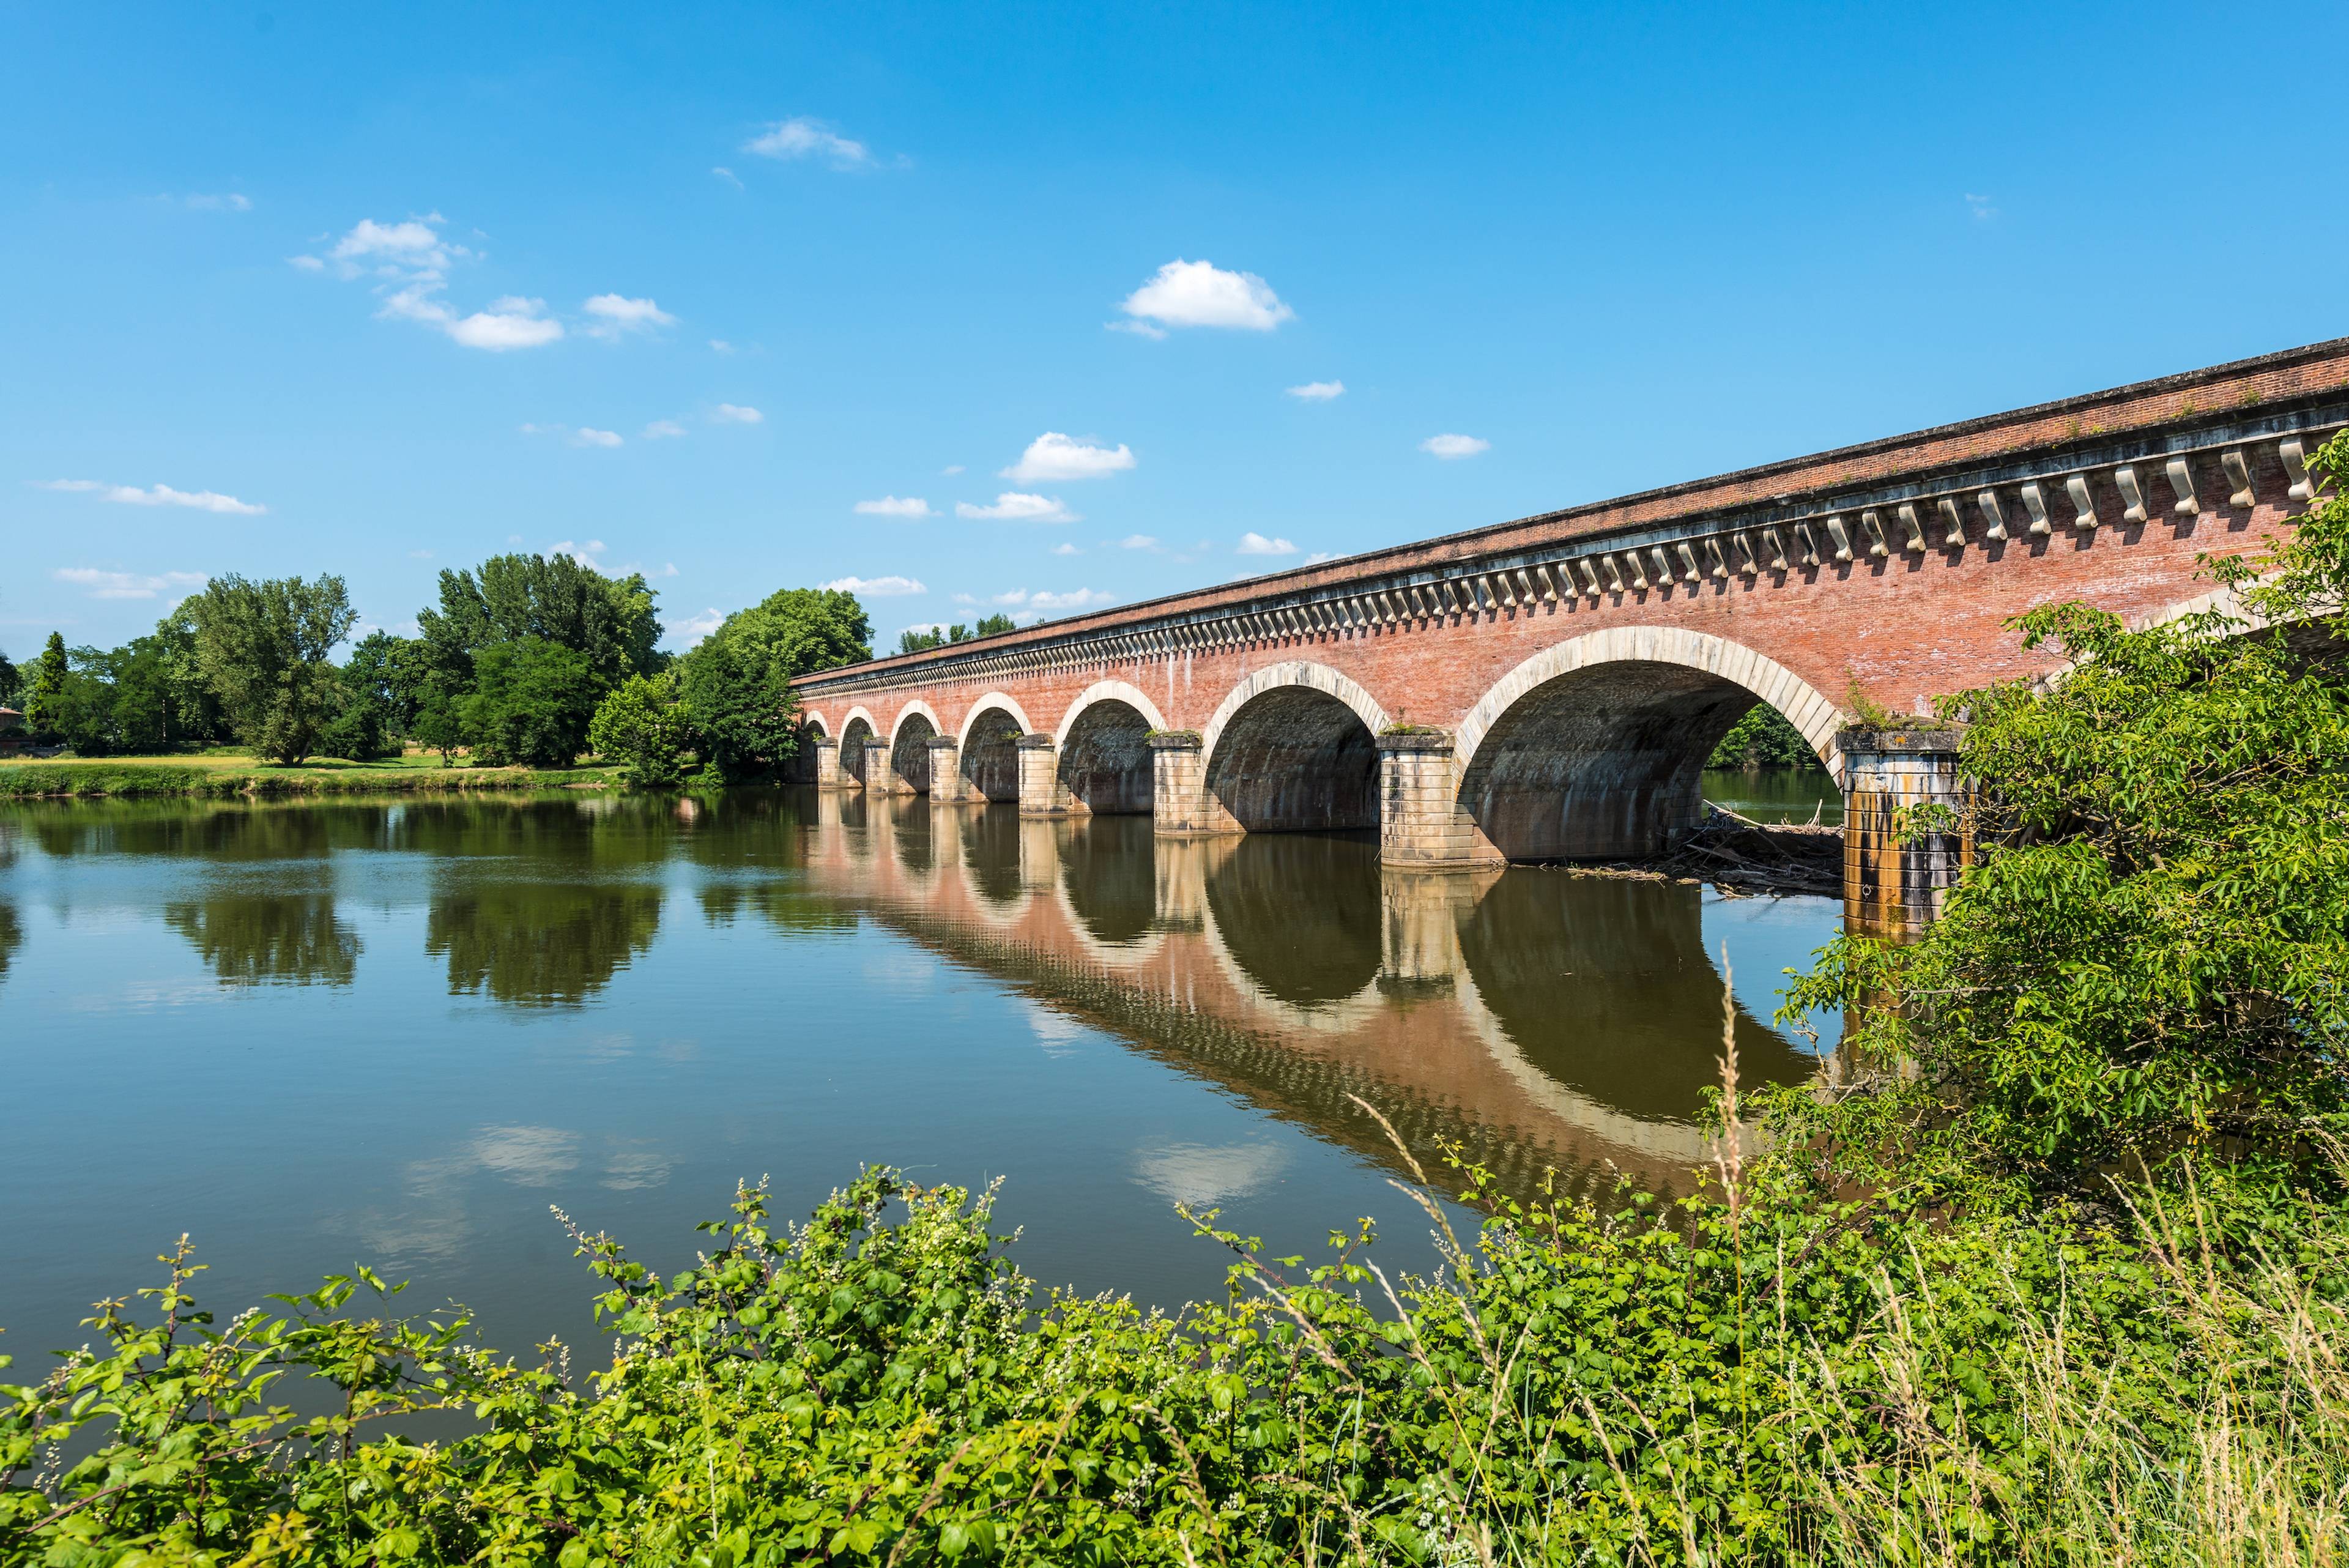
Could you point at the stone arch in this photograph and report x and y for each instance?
(1131, 696)
(1008, 703)
(855, 730)
(1102, 748)
(816, 723)
(917, 705)
(1592, 748)
(909, 745)
(987, 753)
(1294, 748)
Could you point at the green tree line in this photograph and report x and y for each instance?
(524, 658)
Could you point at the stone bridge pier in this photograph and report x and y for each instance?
(1548, 690)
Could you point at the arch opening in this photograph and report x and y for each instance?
(909, 750)
(1295, 759)
(1104, 761)
(1602, 762)
(855, 739)
(990, 759)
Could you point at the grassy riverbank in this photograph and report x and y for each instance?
(221, 775)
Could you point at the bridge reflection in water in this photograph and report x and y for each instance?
(1537, 1019)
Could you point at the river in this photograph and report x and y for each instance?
(312, 1034)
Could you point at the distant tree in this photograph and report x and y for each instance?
(916, 640)
(611, 621)
(196, 717)
(11, 682)
(362, 724)
(264, 648)
(993, 624)
(1763, 737)
(642, 725)
(81, 715)
(44, 702)
(532, 702)
(737, 681)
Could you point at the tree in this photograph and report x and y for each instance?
(640, 723)
(365, 719)
(993, 624)
(920, 640)
(43, 703)
(264, 648)
(532, 702)
(1763, 737)
(611, 621)
(738, 682)
(11, 679)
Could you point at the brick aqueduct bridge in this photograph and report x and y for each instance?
(1548, 689)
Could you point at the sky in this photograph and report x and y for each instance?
(1043, 308)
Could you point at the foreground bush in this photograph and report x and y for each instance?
(1757, 1378)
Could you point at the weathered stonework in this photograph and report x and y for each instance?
(1041, 793)
(826, 752)
(947, 786)
(1909, 826)
(1181, 806)
(1422, 826)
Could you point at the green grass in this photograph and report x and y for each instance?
(220, 772)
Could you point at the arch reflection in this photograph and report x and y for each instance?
(1542, 1022)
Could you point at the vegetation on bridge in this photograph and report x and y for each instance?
(2052, 1270)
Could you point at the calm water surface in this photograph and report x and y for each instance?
(316, 1034)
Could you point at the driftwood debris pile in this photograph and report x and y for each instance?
(1749, 857)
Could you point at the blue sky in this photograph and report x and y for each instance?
(382, 290)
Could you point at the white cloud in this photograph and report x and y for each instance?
(964, 599)
(1053, 458)
(158, 496)
(736, 414)
(1139, 328)
(1319, 391)
(801, 137)
(1015, 507)
(889, 588)
(227, 201)
(617, 314)
(420, 555)
(510, 322)
(923, 626)
(897, 506)
(583, 553)
(1065, 548)
(1980, 206)
(1255, 544)
(1200, 294)
(1075, 598)
(405, 248)
(951, 468)
(585, 435)
(128, 585)
(412, 259)
(694, 627)
(720, 346)
(1138, 542)
(663, 429)
(722, 172)
(1449, 447)
(1318, 556)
